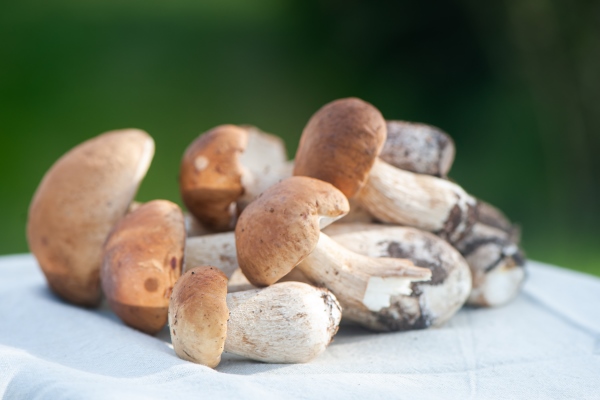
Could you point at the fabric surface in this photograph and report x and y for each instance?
(545, 344)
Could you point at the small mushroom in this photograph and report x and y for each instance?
(225, 168)
(419, 148)
(340, 145)
(77, 203)
(497, 265)
(281, 230)
(288, 322)
(143, 256)
(431, 303)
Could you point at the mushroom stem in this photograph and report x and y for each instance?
(421, 201)
(497, 265)
(360, 283)
(217, 249)
(433, 302)
(288, 322)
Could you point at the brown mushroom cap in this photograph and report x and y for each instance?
(77, 203)
(280, 228)
(198, 315)
(340, 144)
(211, 174)
(143, 257)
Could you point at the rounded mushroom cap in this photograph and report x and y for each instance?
(280, 228)
(211, 175)
(198, 315)
(77, 203)
(340, 144)
(419, 148)
(143, 256)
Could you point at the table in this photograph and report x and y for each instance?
(545, 344)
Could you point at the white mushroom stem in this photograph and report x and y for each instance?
(360, 283)
(421, 201)
(287, 322)
(433, 302)
(497, 265)
(217, 249)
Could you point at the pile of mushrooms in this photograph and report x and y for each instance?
(363, 225)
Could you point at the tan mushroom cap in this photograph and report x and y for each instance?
(211, 175)
(340, 143)
(143, 257)
(77, 203)
(280, 228)
(198, 315)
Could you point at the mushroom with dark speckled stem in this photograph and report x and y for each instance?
(340, 145)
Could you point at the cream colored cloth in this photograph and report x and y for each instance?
(544, 345)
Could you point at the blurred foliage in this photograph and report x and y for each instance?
(516, 83)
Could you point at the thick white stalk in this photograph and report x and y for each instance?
(433, 302)
(421, 201)
(361, 284)
(288, 322)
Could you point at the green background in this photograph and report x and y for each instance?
(515, 83)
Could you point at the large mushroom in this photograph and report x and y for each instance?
(77, 203)
(281, 230)
(340, 145)
(143, 256)
(288, 322)
(226, 168)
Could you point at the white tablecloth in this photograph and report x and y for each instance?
(546, 344)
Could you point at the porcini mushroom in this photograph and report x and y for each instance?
(281, 229)
(419, 148)
(431, 303)
(288, 322)
(143, 256)
(340, 145)
(225, 168)
(77, 203)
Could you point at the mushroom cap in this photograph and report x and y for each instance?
(280, 228)
(77, 203)
(340, 144)
(198, 315)
(143, 257)
(419, 148)
(211, 175)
